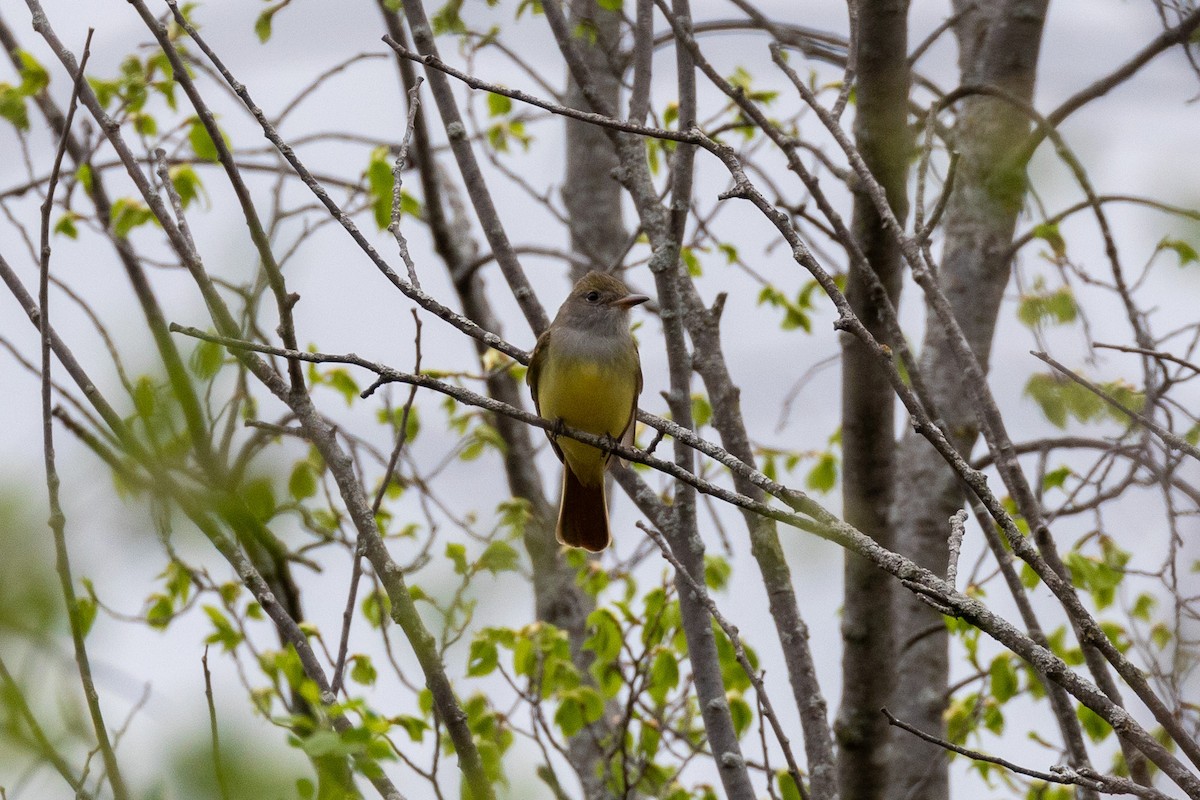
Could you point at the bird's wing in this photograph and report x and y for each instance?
(536, 359)
(627, 434)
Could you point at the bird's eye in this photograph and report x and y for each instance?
(592, 297)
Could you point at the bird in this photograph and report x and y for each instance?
(585, 373)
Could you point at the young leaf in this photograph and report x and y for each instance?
(186, 182)
(1187, 254)
(201, 142)
(823, 476)
(128, 214)
(498, 105)
(363, 672)
(302, 483)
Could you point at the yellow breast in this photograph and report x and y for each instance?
(591, 396)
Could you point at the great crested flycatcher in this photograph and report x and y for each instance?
(585, 373)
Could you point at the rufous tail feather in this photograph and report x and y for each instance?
(582, 514)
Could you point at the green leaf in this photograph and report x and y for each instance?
(144, 124)
(66, 225)
(1056, 478)
(381, 183)
(498, 105)
(1192, 436)
(1003, 679)
(144, 397)
(671, 114)
(606, 637)
(515, 514)
(340, 380)
(569, 717)
(787, 785)
(1126, 395)
(12, 106)
(262, 25)
(1050, 234)
(591, 701)
(83, 174)
(259, 496)
(186, 182)
(795, 315)
(993, 717)
(1187, 254)
(483, 657)
(716, 571)
(207, 359)
(128, 214)
(1093, 725)
(85, 612)
(577, 708)
(664, 676)
(691, 262)
(447, 19)
(499, 557)
(229, 592)
(376, 606)
(34, 76)
(1143, 607)
(482, 437)
(1046, 392)
(458, 554)
(363, 672)
(740, 713)
(1060, 397)
(823, 476)
(649, 738)
(415, 727)
(202, 144)
(225, 634)
(302, 483)
(409, 204)
(1161, 635)
(960, 717)
(1057, 307)
(701, 410)
(413, 425)
(161, 611)
(325, 743)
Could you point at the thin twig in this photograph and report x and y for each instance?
(15, 702)
(739, 650)
(222, 784)
(414, 102)
(356, 573)
(58, 519)
(1171, 440)
(1152, 353)
(958, 529)
(823, 524)
(1088, 778)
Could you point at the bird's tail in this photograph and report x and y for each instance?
(583, 514)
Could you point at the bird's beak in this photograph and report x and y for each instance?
(630, 300)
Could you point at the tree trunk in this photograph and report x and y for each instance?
(998, 46)
(591, 194)
(593, 201)
(868, 419)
